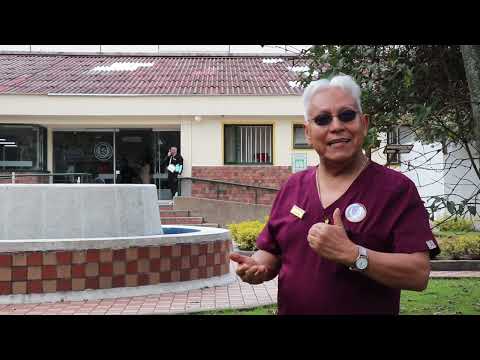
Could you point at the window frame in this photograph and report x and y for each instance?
(43, 150)
(394, 158)
(235, 125)
(299, 146)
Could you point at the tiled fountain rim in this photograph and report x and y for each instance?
(205, 234)
(122, 292)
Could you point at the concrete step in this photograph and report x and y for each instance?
(190, 220)
(204, 224)
(165, 207)
(174, 213)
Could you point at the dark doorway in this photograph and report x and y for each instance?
(134, 156)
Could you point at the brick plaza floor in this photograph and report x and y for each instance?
(235, 295)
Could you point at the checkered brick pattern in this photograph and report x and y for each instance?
(52, 271)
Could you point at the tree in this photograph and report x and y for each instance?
(423, 87)
(471, 59)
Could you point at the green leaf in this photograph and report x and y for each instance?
(472, 210)
(451, 207)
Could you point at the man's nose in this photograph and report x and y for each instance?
(336, 124)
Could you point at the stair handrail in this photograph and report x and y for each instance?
(14, 175)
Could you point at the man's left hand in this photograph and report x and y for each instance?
(332, 242)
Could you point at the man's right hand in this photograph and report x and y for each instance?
(248, 269)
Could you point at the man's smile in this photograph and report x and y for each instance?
(338, 141)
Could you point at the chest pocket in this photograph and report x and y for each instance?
(372, 240)
(292, 231)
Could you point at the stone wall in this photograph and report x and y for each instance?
(266, 176)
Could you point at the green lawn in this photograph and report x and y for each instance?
(442, 297)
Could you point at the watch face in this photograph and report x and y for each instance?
(362, 263)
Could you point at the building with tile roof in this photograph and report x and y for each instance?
(234, 118)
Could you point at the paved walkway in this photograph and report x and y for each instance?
(235, 295)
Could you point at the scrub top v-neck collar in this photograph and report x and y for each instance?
(349, 190)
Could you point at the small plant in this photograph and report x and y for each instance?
(245, 233)
(456, 224)
(466, 246)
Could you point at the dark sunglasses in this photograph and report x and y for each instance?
(326, 118)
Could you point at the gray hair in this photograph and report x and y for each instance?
(344, 82)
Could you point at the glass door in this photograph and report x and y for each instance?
(134, 156)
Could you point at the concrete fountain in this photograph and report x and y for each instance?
(62, 242)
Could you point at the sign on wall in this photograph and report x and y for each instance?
(103, 151)
(299, 162)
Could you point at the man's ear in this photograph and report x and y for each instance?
(366, 123)
(308, 131)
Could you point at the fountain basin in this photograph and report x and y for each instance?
(55, 211)
(50, 270)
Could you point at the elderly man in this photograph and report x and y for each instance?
(347, 235)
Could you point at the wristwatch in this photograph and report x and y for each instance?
(361, 262)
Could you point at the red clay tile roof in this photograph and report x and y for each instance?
(172, 75)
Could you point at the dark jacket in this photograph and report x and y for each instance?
(176, 160)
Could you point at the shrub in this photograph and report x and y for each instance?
(466, 246)
(456, 223)
(245, 233)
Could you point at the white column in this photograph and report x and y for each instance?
(50, 151)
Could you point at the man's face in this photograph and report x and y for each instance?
(337, 141)
(173, 151)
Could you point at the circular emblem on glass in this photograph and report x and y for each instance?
(355, 212)
(103, 151)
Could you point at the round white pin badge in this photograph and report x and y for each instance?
(355, 212)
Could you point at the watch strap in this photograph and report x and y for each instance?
(362, 252)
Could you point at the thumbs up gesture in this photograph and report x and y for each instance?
(331, 241)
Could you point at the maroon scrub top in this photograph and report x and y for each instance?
(396, 222)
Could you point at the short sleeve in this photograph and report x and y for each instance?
(412, 232)
(267, 240)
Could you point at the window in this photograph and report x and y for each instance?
(84, 152)
(393, 137)
(248, 144)
(23, 147)
(299, 139)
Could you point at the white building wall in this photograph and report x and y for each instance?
(74, 105)
(186, 145)
(207, 145)
(423, 165)
(159, 49)
(460, 178)
(193, 48)
(148, 49)
(433, 172)
(14, 47)
(62, 48)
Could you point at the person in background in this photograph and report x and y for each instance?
(174, 163)
(146, 172)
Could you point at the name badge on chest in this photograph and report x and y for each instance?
(298, 212)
